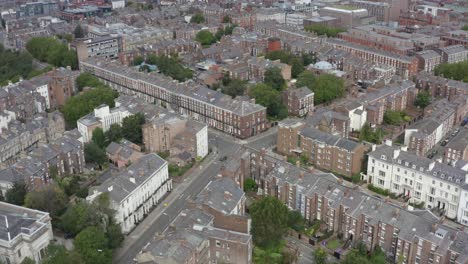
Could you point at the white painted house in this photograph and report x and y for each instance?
(135, 191)
(24, 233)
(102, 117)
(420, 179)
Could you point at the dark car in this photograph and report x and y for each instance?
(223, 158)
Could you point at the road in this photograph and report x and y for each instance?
(161, 217)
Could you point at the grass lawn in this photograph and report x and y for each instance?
(333, 244)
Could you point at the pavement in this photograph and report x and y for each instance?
(161, 217)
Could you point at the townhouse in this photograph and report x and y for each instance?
(428, 60)
(64, 156)
(421, 180)
(441, 87)
(457, 147)
(329, 121)
(413, 236)
(213, 229)
(453, 54)
(135, 191)
(238, 118)
(392, 97)
(24, 233)
(259, 65)
(323, 150)
(404, 66)
(299, 101)
(423, 135)
(162, 133)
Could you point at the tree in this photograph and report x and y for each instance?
(324, 30)
(114, 134)
(84, 103)
(367, 134)
(205, 37)
(138, 60)
(306, 78)
(250, 185)
(296, 221)
(198, 18)
(92, 245)
(87, 80)
(423, 99)
(99, 138)
(14, 65)
(114, 235)
(226, 19)
(49, 198)
(78, 217)
(16, 194)
(170, 66)
(94, 154)
(465, 27)
(52, 51)
(131, 128)
(326, 86)
(269, 98)
(269, 221)
(274, 78)
(456, 71)
(297, 67)
(79, 32)
(320, 256)
(58, 254)
(393, 117)
(234, 88)
(28, 260)
(377, 256)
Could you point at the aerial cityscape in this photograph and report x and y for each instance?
(234, 131)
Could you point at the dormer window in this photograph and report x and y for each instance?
(421, 169)
(399, 161)
(406, 163)
(383, 157)
(414, 166)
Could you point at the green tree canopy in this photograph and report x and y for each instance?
(198, 18)
(170, 66)
(138, 60)
(274, 78)
(52, 51)
(28, 260)
(79, 31)
(114, 134)
(324, 30)
(271, 99)
(456, 71)
(226, 19)
(78, 217)
(92, 245)
(369, 135)
(16, 194)
(234, 87)
(320, 256)
(49, 198)
(58, 254)
(99, 138)
(14, 65)
(84, 103)
(423, 99)
(87, 80)
(132, 128)
(205, 37)
(94, 154)
(326, 87)
(250, 185)
(269, 221)
(296, 221)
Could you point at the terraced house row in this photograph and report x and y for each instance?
(240, 118)
(406, 236)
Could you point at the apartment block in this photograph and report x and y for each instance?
(124, 153)
(457, 148)
(453, 54)
(329, 121)
(103, 47)
(25, 233)
(299, 101)
(416, 236)
(404, 66)
(441, 87)
(101, 117)
(259, 65)
(238, 118)
(428, 60)
(323, 150)
(135, 191)
(423, 135)
(213, 229)
(348, 17)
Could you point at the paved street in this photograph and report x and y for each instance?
(161, 217)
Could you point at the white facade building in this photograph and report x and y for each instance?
(136, 191)
(118, 4)
(24, 233)
(295, 19)
(202, 142)
(102, 117)
(43, 90)
(420, 179)
(5, 118)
